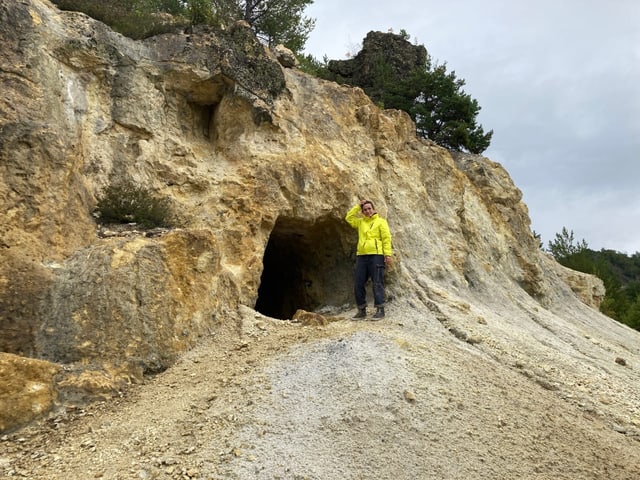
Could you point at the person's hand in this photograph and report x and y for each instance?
(388, 260)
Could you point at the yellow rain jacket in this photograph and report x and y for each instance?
(374, 237)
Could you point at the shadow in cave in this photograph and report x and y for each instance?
(306, 265)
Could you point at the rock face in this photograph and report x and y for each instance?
(378, 47)
(261, 164)
(27, 389)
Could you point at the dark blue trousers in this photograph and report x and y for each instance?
(369, 267)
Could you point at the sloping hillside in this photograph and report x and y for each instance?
(400, 398)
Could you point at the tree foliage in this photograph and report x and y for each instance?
(274, 21)
(432, 96)
(438, 105)
(311, 65)
(563, 247)
(279, 21)
(619, 272)
(135, 19)
(444, 113)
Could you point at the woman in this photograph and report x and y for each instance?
(372, 255)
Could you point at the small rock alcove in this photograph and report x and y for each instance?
(306, 265)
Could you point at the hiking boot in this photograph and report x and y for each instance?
(379, 313)
(362, 313)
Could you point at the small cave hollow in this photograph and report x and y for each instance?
(307, 264)
(203, 119)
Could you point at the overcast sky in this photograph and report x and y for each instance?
(558, 82)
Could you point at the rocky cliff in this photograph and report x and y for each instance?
(260, 163)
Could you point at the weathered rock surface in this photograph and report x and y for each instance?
(261, 163)
(27, 389)
(394, 50)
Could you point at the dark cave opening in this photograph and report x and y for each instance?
(306, 265)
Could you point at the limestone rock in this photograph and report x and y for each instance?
(395, 50)
(589, 288)
(285, 57)
(137, 300)
(309, 318)
(26, 389)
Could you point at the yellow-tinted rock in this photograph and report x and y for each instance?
(26, 389)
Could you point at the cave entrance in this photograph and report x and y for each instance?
(306, 265)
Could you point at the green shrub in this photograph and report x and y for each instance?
(136, 19)
(128, 203)
(311, 65)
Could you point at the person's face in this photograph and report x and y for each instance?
(367, 210)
